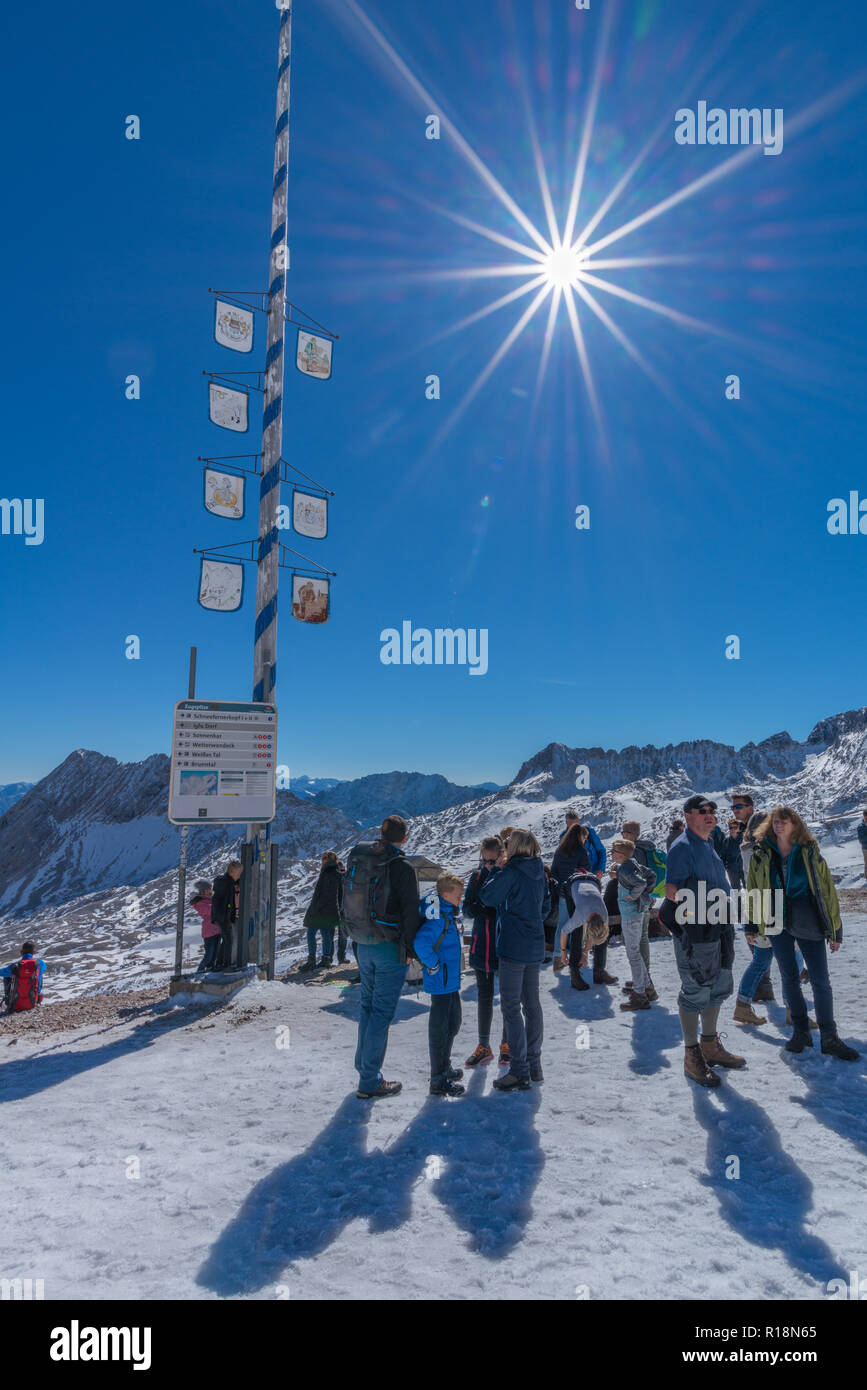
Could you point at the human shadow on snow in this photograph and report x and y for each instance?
(836, 1091)
(769, 1200)
(481, 1155)
(28, 1076)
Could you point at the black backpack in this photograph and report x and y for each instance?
(367, 890)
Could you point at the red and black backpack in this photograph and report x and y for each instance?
(21, 990)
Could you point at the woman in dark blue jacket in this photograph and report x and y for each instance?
(519, 892)
(483, 951)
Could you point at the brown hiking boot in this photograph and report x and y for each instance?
(716, 1055)
(601, 977)
(635, 1002)
(481, 1055)
(558, 962)
(744, 1013)
(812, 1022)
(697, 1069)
(504, 1054)
(651, 992)
(764, 991)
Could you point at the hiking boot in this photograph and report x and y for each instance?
(805, 976)
(504, 1055)
(835, 1047)
(696, 1068)
(627, 988)
(812, 1022)
(765, 991)
(536, 1071)
(744, 1013)
(511, 1082)
(385, 1088)
(481, 1055)
(651, 993)
(716, 1055)
(558, 962)
(799, 1040)
(454, 1073)
(601, 977)
(578, 982)
(446, 1088)
(341, 959)
(326, 963)
(634, 1002)
(309, 964)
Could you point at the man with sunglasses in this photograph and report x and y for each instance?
(703, 950)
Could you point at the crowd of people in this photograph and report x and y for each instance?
(521, 914)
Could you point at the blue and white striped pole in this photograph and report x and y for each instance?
(265, 648)
(268, 572)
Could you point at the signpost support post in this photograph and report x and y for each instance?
(182, 863)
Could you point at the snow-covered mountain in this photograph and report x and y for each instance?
(12, 792)
(95, 824)
(90, 859)
(306, 787)
(367, 800)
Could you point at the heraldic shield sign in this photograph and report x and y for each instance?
(313, 355)
(227, 408)
(221, 585)
(309, 515)
(309, 599)
(233, 327)
(224, 494)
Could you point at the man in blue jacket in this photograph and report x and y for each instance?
(438, 946)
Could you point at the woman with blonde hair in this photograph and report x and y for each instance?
(519, 892)
(786, 859)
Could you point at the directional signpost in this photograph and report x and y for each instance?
(224, 763)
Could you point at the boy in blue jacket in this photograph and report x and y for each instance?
(438, 946)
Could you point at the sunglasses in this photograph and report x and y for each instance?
(706, 811)
(488, 861)
(739, 805)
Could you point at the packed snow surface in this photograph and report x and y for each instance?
(195, 1153)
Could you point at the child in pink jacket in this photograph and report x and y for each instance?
(201, 901)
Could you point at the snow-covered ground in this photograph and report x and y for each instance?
(190, 1154)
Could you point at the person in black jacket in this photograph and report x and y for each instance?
(483, 951)
(519, 892)
(224, 910)
(323, 914)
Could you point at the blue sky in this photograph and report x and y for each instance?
(707, 518)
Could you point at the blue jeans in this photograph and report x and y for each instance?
(209, 959)
(382, 977)
(522, 1014)
(762, 960)
(815, 955)
(327, 942)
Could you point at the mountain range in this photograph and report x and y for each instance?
(90, 859)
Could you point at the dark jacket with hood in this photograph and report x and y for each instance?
(520, 894)
(483, 942)
(223, 902)
(324, 909)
